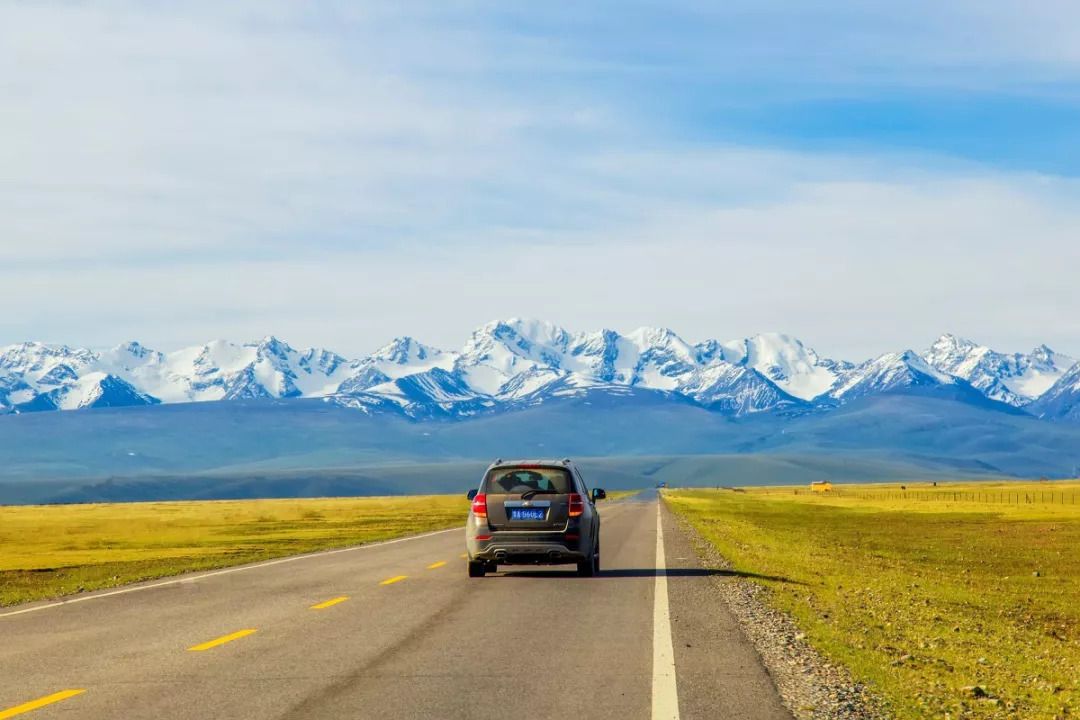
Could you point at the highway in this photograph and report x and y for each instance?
(397, 630)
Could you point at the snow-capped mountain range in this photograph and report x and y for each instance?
(516, 363)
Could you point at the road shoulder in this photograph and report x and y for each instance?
(720, 672)
(807, 685)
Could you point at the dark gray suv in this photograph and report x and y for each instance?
(533, 512)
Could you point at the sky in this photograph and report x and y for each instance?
(865, 176)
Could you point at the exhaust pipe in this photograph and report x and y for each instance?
(554, 554)
(500, 554)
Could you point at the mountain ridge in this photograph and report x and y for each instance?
(516, 362)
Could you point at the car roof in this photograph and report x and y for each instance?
(563, 462)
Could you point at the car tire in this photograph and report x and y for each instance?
(590, 567)
(477, 569)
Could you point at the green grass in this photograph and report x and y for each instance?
(53, 550)
(921, 598)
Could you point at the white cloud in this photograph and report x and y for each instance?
(338, 175)
(854, 268)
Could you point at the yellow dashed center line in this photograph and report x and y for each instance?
(221, 640)
(39, 703)
(330, 603)
(435, 565)
(391, 581)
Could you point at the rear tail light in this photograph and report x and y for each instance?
(479, 505)
(483, 538)
(577, 505)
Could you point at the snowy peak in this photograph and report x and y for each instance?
(132, 353)
(533, 333)
(916, 363)
(277, 370)
(985, 369)
(649, 337)
(270, 348)
(595, 355)
(215, 371)
(1062, 400)
(519, 362)
(110, 391)
(736, 389)
(534, 383)
(785, 361)
(708, 351)
(951, 346)
(402, 356)
(317, 361)
(660, 359)
(1014, 379)
(518, 358)
(1042, 368)
(404, 351)
(499, 350)
(34, 359)
(1069, 382)
(954, 355)
(221, 370)
(890, 372)
(434, 392)
(93, 390)
(1045, 357)
(503, 343)
(217, 357)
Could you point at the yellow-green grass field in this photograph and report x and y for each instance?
(54, 550)
(933, 596)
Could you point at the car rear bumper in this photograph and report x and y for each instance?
(525, 551)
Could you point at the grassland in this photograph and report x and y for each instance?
(951, 603)
(54, 550)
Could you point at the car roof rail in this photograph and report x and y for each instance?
(566, 461)
(498, 461)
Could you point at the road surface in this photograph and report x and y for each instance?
(397, 630)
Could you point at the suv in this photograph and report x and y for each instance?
(533, 512)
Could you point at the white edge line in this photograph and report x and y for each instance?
(224, 571)
(665, 692)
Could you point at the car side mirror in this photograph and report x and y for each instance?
(472, 494)
(598, 494)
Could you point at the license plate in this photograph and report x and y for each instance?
(526, 513)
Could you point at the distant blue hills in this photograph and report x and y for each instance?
(298, 447)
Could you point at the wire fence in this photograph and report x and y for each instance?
(1001, 497)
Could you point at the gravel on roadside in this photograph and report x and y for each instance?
(811, 686)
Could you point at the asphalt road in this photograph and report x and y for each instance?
(398, 631)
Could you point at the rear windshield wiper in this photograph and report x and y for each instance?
(529, 493)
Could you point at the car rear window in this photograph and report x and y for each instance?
(518, 480)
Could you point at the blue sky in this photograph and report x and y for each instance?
(863, 175)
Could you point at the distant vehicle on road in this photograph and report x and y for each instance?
(533, 512)
(661, 484)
